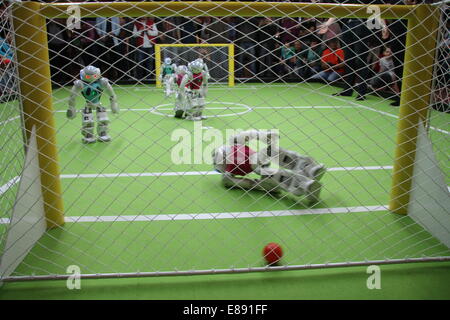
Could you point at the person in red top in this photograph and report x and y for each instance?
(145, 32)
(297, 174)
(332, 62)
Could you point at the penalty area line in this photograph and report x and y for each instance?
(194, 173)
(219, 215)
(224, 215)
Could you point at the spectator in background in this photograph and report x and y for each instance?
(203, 33)
(301, 52)
(313, 58)
(88, 44)
(354, 37)
(124, 50)
(287, 58)
(246, 43)
(289, 30)
(74, 52)
(386, 76)
(6, 72)
(57, 41)
(171, 34)
(145, 32)
(108, 30)
(188, 31)
(332, 62)
(267, 29)
(219, 30)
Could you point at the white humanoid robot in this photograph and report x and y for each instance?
(91, 86)
(193, 87)
(180, 98)
(205, 69)
(167, 76)
(297, 174)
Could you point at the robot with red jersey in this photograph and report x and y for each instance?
(193, 87)
(297, 174)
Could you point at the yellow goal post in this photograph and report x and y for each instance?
(31, 41)
(230, 57)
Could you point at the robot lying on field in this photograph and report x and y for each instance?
(91, 86)
(297, 174)
(192, 85)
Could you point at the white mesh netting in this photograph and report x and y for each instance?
(150, 202)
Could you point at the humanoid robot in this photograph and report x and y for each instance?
(193, 87)
(205, 69)
(91, 85)
(297, 174)
(180, 98)
(167, 75)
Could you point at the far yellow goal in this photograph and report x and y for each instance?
(219, 58)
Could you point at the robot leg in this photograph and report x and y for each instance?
(102, 125)
(296, 183)
(87, 125)
(305, 165)
(180, 106)
(198, 104)
(167, 87)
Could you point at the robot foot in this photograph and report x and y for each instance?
(87, 140)
(313, 191)
(191, 118)
(105, 138)
(316, 172)
(179, 114)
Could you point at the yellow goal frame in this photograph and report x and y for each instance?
(35, 84)
(230, 47)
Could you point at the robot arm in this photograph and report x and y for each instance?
(205, 75)
(268, 137)
(76, 89)
(112, 96)
(183, 84)
(263, 184)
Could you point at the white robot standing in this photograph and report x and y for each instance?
(91, 85)
(167, 76)
(297, 174)
(205, 69)
(180, 99)
(193, 87)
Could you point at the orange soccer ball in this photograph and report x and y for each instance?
(272, 253)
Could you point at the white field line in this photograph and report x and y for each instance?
(396, 117)
(15, 180)
(193, 173)
(220, 215)
(9, 184)
(287, 107)
(9, 120)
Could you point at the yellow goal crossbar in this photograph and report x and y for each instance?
(35, 84)
(230, 47)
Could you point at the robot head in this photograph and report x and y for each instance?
(195, 66)
(182, 69)
(199, 60)
(90, 74)
(167, 61)
(219, 157)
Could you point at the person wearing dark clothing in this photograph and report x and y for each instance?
(355, 38)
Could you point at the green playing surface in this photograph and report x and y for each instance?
(131, 208)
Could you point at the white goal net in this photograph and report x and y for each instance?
(322, 142)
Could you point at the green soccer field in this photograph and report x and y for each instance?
(130, 208)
